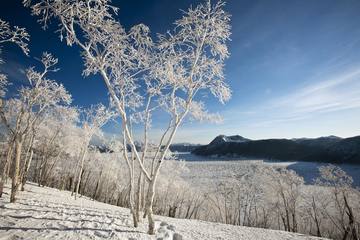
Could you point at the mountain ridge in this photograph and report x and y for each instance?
(330, 149)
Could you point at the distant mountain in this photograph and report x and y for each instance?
(321, 141)
(347, 149)
(235, 138)
(324, 149)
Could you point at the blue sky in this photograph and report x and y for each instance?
(294, 68)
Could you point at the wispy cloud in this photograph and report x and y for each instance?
(325, 95)
(15, 71)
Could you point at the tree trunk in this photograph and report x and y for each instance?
(138, 196)
(294, 227)
(80, 172)
(16, 170)
(84, 184)
(47, 171)
(42, 164)
(131, 197)
(149, 206)
(6, 167)
(317, 223)
(71, 179)
(78, 185)
(352, 222)
(26, 170)
(97, 186)
(152, 182)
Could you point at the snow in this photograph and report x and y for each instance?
(229, 139)
(207, 169)
(46, 213)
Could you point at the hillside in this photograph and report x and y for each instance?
(324, 149)
(46, 213)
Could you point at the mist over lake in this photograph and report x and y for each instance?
(206, 168)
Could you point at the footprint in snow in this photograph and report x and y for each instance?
(163, 224)
(167, 232)
(101, 234)
(177, 236)
(171, 228)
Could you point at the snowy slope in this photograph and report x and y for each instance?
(46, 213)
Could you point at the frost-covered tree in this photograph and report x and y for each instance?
(65, 154)
(190, 61)
(316, 203)
(55, 137)
(20, 37)
(94, 118)
(22, 114)
(119, 149)
(344, 201)
(287, 185)
(16, 35)
(142, 76)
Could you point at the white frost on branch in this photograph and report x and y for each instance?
(141, 75)
(199, 113)
(331, 175)
(16, 35)
(34, 99)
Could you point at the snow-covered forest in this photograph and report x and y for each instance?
(47, 140)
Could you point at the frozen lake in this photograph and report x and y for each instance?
(205, 169)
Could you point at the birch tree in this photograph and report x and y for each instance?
(20, 37)
(287, 185)
(191, 62)
(344, 199)
(142, 76)
(55, 136)
(33, 101)
(94, 119)
(119, 148)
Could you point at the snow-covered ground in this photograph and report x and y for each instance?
(204, 169)
(46, 213)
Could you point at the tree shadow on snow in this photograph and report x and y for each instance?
(67, 229)
(67, 210)
(63, 220)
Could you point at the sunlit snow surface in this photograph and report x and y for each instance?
(46, 213)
